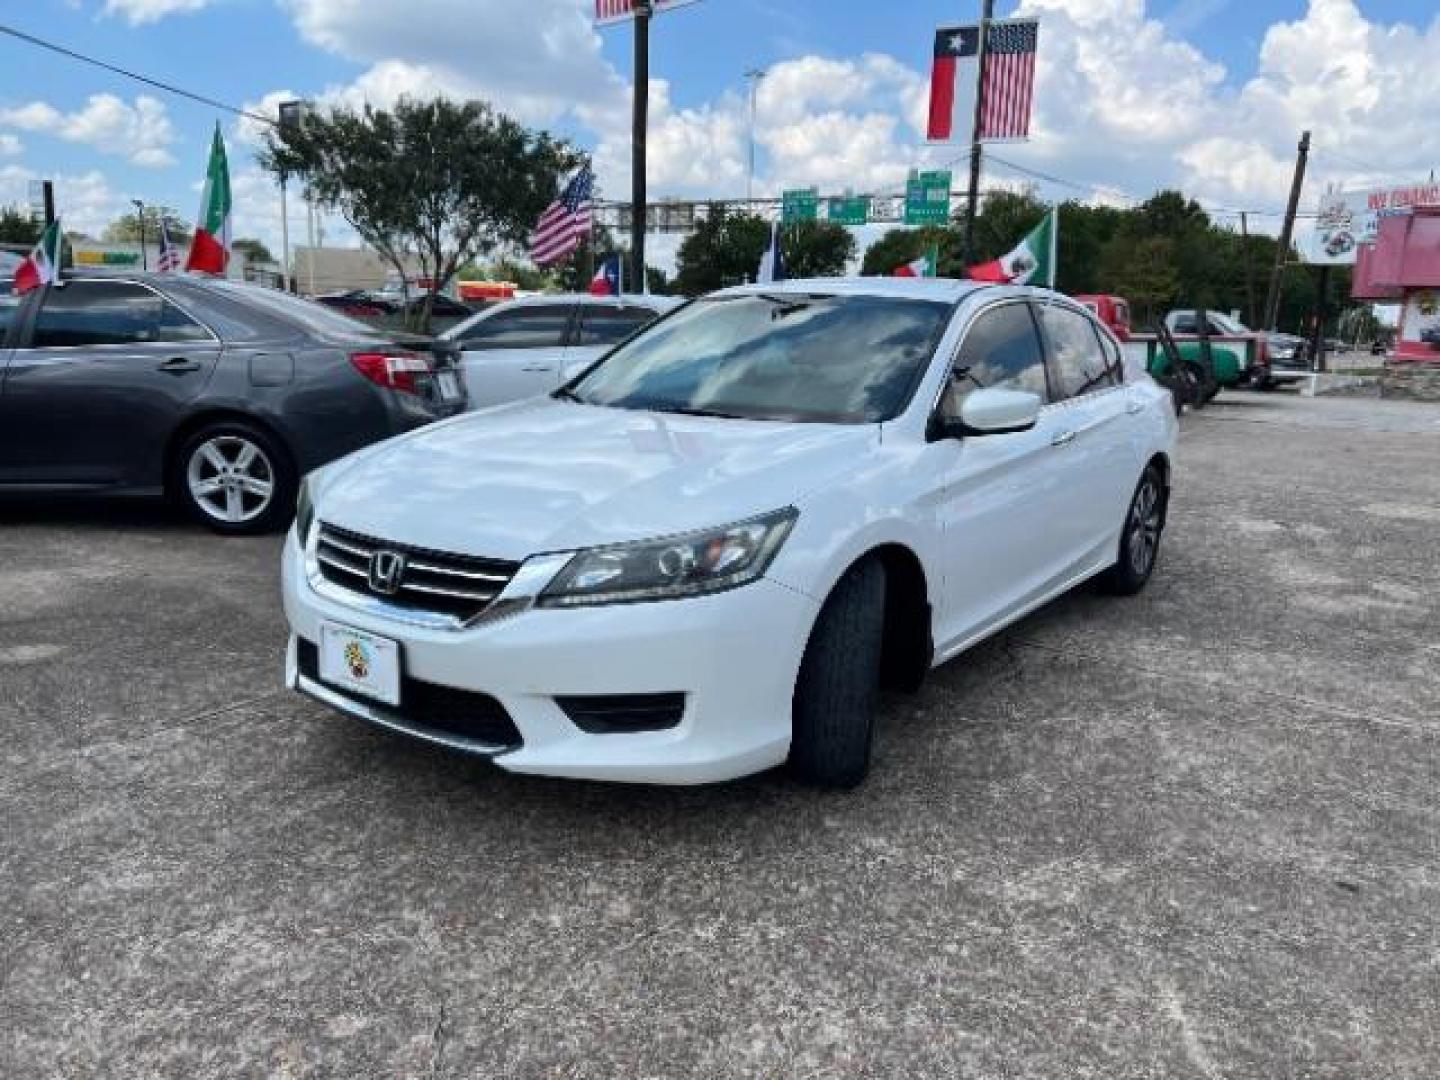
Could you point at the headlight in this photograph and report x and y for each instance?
(304, 512)
(708, 561)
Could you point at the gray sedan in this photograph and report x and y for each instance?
(219, 394)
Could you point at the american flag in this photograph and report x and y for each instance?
(566, 222)
(1009, 79)
(613, 11)
(169, 260)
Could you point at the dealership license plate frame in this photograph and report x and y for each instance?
(381, 662)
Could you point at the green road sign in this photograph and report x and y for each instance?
(851, 210)
(927, 198)
(800, 204)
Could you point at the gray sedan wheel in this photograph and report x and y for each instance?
(235, 479)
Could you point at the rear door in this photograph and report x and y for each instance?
(98, 381)
(598, 329)
(1091, 416)
(515, 353)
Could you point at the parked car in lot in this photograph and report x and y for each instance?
(528, 347)
(1277, 357)
(218, 393)
(706, 555)
(394, 311)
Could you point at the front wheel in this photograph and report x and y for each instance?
(1139, 537)
(836, 693)
(236, 479)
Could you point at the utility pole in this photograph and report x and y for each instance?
(972, 201)
(1282, 251)
(643, 13)
(47, 190)
(754, 75)
(285, 239)
(1249, 268)
(140, 218)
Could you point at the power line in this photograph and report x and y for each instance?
(169, 88)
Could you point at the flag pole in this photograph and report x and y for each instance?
(973, 195)
(641, 121)
(1054, 243)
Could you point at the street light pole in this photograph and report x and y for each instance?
(641, 122)
(140, 217)
(754, 75)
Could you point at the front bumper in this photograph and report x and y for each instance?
(734, 655)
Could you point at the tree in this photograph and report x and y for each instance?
(126, 228)
(254, 251)
(901, 246)
(18, 226)
(725, 249)
(436, 180)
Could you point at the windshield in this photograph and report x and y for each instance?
(781, 356)
(1227, 324)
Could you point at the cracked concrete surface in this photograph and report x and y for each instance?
(1192, 834)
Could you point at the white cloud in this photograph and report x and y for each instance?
(10, 145)
(138, 12)
(140, 132)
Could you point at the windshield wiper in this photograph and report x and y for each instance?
(685, 410)
(566, 394)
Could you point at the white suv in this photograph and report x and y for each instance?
(707, 555)
(525, 348)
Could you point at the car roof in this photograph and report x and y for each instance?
(944, 290)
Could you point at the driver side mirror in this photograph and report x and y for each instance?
(991, 412)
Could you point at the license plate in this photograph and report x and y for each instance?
(354, 660)
(449, 386)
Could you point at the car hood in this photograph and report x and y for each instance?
(551, 476)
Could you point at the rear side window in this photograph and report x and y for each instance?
(1186, 324)
(536, 327)
(607, 325)
(1078, 365)
(1001, 350)
(88, 313)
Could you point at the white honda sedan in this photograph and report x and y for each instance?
(707, 555)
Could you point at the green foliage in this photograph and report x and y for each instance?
(17, 226)
(254, 251)
(438, 180)
(725, 249)
(126, 228)
(900, 246)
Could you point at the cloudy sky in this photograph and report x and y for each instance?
(1132, 95)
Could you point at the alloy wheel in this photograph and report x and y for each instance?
(231, 479)
(1144, 527)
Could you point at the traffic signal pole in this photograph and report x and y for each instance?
(972, 198)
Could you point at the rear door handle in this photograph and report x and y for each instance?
(538, 367)
(1063, 438)
(179, 365)
(1132, 407)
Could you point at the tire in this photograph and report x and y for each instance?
(257, 493)
(833, 714)
(1139, 537)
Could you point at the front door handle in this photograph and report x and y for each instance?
(538, 367)
(1132, 407)
(179, 365)
(1063, 438)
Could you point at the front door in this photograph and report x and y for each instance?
(97, 384)
(997, 507)
(516, 353)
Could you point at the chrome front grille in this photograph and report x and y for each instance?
(462, 586)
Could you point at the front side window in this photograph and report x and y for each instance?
(89, 313)
(1078, 365)
(601, 325)
(537, 327)
(1001, 351)
(775, 356)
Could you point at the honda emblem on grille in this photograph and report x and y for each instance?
(387, 572)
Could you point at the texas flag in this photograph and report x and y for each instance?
(952, 84)
(608, 278)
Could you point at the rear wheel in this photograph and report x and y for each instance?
(235, 478)
(833, 714)
(1139, 537)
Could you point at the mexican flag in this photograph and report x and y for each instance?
(210, 250)
(1032, 262)
(921, 267)
(41, 265)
